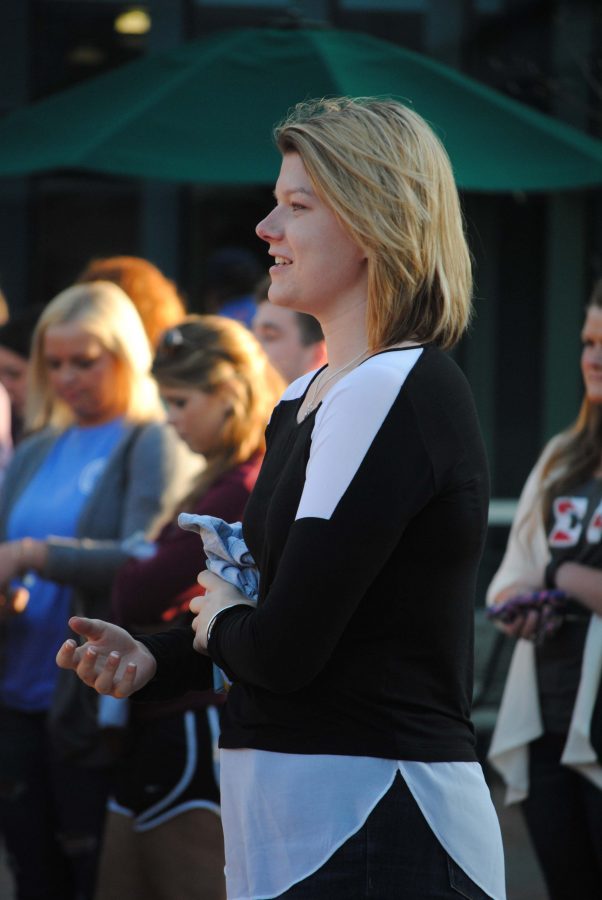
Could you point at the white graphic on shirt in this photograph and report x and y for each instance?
(90, 474)
(594, 529)
(568, 521)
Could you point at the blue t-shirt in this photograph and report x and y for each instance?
(50, 505)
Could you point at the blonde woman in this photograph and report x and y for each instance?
(547, 743)
(348, 764)
(100, 467)
(164, 836)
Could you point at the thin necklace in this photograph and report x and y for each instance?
(320, 383)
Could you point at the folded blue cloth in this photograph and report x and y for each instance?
(227, 556)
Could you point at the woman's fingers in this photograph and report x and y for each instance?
(524, 626)
(86, 668)
(91, 629)
(110, 661)
(196, 604)
(209, 580)
(529, 628)
(126, 685)
(65, 658)
(102, 673)
(106, 677)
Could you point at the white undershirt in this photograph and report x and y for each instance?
(284, 815)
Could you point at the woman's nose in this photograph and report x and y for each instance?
(268, 229)
(65, 374)
(595, 355)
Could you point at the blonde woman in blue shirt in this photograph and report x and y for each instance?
(100, 466)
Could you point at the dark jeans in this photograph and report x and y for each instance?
(564, 816)
(51, 814)
(394, 856)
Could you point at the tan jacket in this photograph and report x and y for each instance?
(519, 720)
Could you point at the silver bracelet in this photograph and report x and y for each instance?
(211, 622)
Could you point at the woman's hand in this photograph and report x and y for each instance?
(219, 594)
(17, 557)
(524, 626)
(111, 661)
(10, 560)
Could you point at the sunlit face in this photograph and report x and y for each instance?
(198, 417)
(83, 374)
(317, 267)
(591, 356)
(13, 375)
(277, 330)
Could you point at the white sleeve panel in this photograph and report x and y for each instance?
(298, 387)
(295, 389)
(346, 424)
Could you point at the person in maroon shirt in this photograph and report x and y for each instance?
(163, 835)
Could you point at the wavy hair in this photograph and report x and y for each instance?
(155, 297)
(104, 311)
(387, 178)
(211, 353)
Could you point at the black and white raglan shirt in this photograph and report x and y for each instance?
(367, 524)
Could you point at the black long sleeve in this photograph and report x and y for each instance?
(367, 523)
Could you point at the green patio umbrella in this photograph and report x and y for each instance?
(204, 112)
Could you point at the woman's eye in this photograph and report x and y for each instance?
(85, 363)
(297, 206)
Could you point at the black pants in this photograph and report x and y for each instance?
(394, 856)
(51, 814)
(564, 816)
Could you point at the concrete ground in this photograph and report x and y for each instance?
(523, 877)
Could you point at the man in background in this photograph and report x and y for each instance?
(293, 341)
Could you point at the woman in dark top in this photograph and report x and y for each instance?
(163, 836)
(348, 766)
(547, 743)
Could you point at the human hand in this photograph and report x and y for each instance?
(17, 557)
(219, 594)
(536, 615)
(524, 625)
(111, 661)
(9, 560)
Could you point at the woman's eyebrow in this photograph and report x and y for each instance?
(293, 190)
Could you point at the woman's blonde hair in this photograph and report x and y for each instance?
(214, 353)
(104, 311)
(579, 449)
(388, 179)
